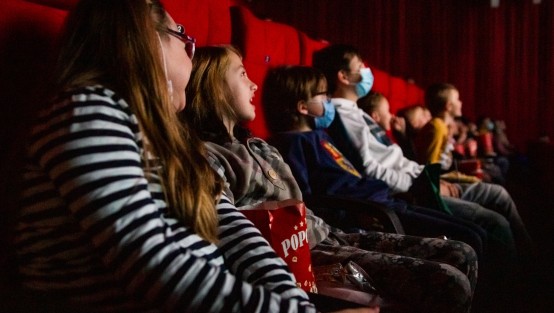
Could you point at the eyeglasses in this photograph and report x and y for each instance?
(190, 42)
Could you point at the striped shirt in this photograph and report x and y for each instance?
(95, 232)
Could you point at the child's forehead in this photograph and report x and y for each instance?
(452, 92)
(356, 62)
(415, 112)
(235, 61)
(384, 103)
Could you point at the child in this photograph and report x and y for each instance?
(415, 117)
(241, 159)
(321, 169)
(349, 80)
(377, 106)
(120, 212)
(487, 205)
(443, 101)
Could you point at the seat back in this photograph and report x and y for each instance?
(264, 44)
(308, 46)
(29, 32)
(381, 82)
(209, 21)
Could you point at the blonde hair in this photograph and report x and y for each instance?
(123, 53)
(209, 98)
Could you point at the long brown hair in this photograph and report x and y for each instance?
(208, 94)
(114, 43)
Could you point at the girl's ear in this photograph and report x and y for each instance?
(302, 107)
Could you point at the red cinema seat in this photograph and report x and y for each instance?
(28, 36)
(381, 82)
(308, 46)
(58, 4)
(209, 21)
(28, 32)
(414, 94)
(398, 94)
(264, 44)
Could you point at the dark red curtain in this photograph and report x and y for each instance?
(499, 58)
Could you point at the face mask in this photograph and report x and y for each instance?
(364, 86)
(322, 122)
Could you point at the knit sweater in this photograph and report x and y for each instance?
(256, 172)
(95, 232)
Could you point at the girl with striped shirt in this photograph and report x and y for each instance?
(120, 211)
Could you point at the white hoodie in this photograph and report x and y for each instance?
(386, 163)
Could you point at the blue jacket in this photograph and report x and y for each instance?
(321, 169)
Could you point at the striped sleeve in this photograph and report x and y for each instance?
(250, 257)
(90, 148)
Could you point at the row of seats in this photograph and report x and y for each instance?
(265, 43)
(28, 29)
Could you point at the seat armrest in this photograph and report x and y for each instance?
(346, 213)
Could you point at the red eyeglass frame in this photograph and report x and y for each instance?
(189, 41)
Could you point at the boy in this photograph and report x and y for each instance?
(487, 205)
(378, 108)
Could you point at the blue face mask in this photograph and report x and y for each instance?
(364, 86)
(322, 122)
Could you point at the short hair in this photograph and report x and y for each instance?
(332, 59)
(370, 102)
(436, 97)
(408, 113)
(283, 87)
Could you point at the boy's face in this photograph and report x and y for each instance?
(382, 115)
(354, 76)
(418, 117)
(315, 105)
(454, 105)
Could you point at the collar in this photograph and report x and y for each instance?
(344, 103)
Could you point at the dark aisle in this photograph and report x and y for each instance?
(531, 287)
